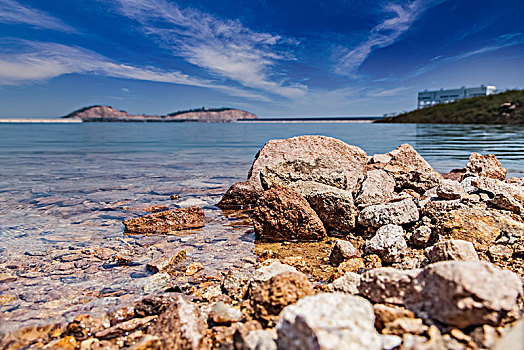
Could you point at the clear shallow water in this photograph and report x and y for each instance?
(65, 189)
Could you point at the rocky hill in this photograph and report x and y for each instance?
(109, 114)
(503, 108)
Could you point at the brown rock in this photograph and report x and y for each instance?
(403, 325)
(342, 250)
(450, 189)
(83, 326)
(167, 263)
(166, 221)
(452, 249)
(240, 196)
(466, 293)
(66, 343)
(385, 314)
(481, 227)
(486, 165)
(154, 305)
(181, 326)
(350, 265)
(499, 252)
(503, 195)
(410, 170)
(125, 327)
(283, 214)
(333, 206)
(241, 334)
(378, 188)
(270, 297)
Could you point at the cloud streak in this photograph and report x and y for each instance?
(382, 35)
(224, 48)
(12, 11)
(40, 61)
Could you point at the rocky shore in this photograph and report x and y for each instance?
(353, 252)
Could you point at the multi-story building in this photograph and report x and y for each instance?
(429, 98)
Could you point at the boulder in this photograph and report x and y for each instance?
(181, 326)
(240, 196)
(388, 243)
(270, 297)
(410, 169)
(283, 214)
(310, 148)
(397, 213)
(452, 249)
(342, 250)
(333, 206)
(466, 293)
(481, 227)
(503, 196)
(328, 321)
(388, 285)
(485, 165)
(450, 189)
(166, 221)
(378, 188)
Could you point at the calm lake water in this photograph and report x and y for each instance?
(65, 189)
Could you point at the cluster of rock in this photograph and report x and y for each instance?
(423, 261)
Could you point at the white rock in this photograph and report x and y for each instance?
(397, 213)
(328, 321)
(388, 243)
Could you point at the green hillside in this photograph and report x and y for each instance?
(504, 108)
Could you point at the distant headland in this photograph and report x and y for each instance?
(109, 114)
(503, 108)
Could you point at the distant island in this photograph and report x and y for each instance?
(109, 114)
(503, 108)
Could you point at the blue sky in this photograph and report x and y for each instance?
(274, 58)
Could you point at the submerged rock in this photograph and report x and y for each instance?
(328, 321)
(283, 214)
(166, 221)
(486, 165)
(397, 213)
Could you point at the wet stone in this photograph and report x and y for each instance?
(166, 221)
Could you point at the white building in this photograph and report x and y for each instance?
(429, 98)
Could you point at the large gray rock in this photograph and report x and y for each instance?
(466, 293)
(397, 213)
(388, 285)
(328, 321)
(453, 249)
(310, 148)
(410, 169)
(378, 188)
(503, 195)
(485, 165)
(334, 206)
(388, 243)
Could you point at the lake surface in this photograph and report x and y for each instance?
(65, 189)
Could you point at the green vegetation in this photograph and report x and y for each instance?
(504, 108)
(203, 109)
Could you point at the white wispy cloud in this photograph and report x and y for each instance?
(224, 48)
(40, 61)
(382, 35)
(12, 11)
